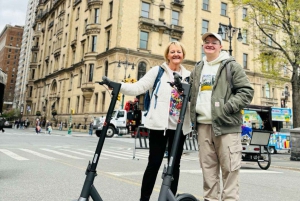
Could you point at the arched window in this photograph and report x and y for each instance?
(106, 68)
(141, 70)
(267, 88)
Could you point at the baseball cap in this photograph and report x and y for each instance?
(217, 36)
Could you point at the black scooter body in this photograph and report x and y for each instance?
(165, 191)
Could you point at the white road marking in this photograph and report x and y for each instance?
(38, 154)
(13, 155)
(119, 174)
(62, 154)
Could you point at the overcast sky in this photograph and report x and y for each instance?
(12, 12)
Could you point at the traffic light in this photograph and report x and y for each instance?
(119, 97)
(72, 111)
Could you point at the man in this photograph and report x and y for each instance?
(216, 113)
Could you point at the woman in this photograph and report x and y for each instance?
(162, 116)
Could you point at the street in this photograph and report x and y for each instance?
(35, 167)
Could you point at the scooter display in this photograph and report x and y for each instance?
(165, 192)
(88, 189)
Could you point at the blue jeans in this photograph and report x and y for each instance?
(91, 131)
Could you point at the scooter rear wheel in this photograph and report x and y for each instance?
(186, 197)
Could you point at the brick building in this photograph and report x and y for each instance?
(10, 43)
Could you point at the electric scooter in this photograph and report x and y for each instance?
(165, 192)
(88, 189)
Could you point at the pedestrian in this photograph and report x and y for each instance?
(216, 113)
(2, 122)
(49, 128)
(91, 128)
(37, 126)
(60, 125)
(163, 115)
(26, 123)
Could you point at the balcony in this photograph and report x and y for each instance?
(74, 43)
(51, 24)
(92, 29)
(94, 3)
(269, 101)
(35, 48)
(177, 3)
(88, 89)
(76, 2)
(57, 52)
(152, 25)
(33, 64)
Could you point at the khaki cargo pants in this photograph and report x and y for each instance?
(217, 152)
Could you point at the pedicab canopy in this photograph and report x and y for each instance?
(265, 113)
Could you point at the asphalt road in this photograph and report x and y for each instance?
(52, 167)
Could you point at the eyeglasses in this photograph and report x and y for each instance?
(213, 43)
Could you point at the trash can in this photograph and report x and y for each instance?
(295, 144)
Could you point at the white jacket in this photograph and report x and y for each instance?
(158, 118)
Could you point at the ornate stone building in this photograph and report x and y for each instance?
(76, 42)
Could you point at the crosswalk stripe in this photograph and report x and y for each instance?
(104, 154)
(121, 154)
(13, 155)
(38, 154)
(62, 154)
(80, 153)
(191, 172)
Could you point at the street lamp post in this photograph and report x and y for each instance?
(230, 31)
(126, 64)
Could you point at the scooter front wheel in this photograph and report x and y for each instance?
(186, 197)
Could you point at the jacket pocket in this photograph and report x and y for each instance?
(235, 157)
(223, 118)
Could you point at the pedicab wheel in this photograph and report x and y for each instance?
(264, 159)
(186, 197)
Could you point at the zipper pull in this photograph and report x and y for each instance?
(165, 131)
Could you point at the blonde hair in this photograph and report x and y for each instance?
(168, 47)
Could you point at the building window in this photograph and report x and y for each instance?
(145, 9)
(141, 70)
(78, 12)
(224, 9)
(91, 72)
(83, 103)
(85, 24)
(205, 24)
(80, 78)
(103, 101)
(205, 5)
(107, 39)
(245, 61)
(77, 104)
(71, 82)
(96, 102)
(175, 17)
(73, 58)
(270, 42)
(144, 40)
(244, 13)
(76, 33)
(285, 70)
(110, 10)
(267, 89)
(94, 43)
(245, 36)
(69, 106)
(96, 19)
(106, 69)
(224, 35)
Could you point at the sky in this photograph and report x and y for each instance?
(12, 12)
